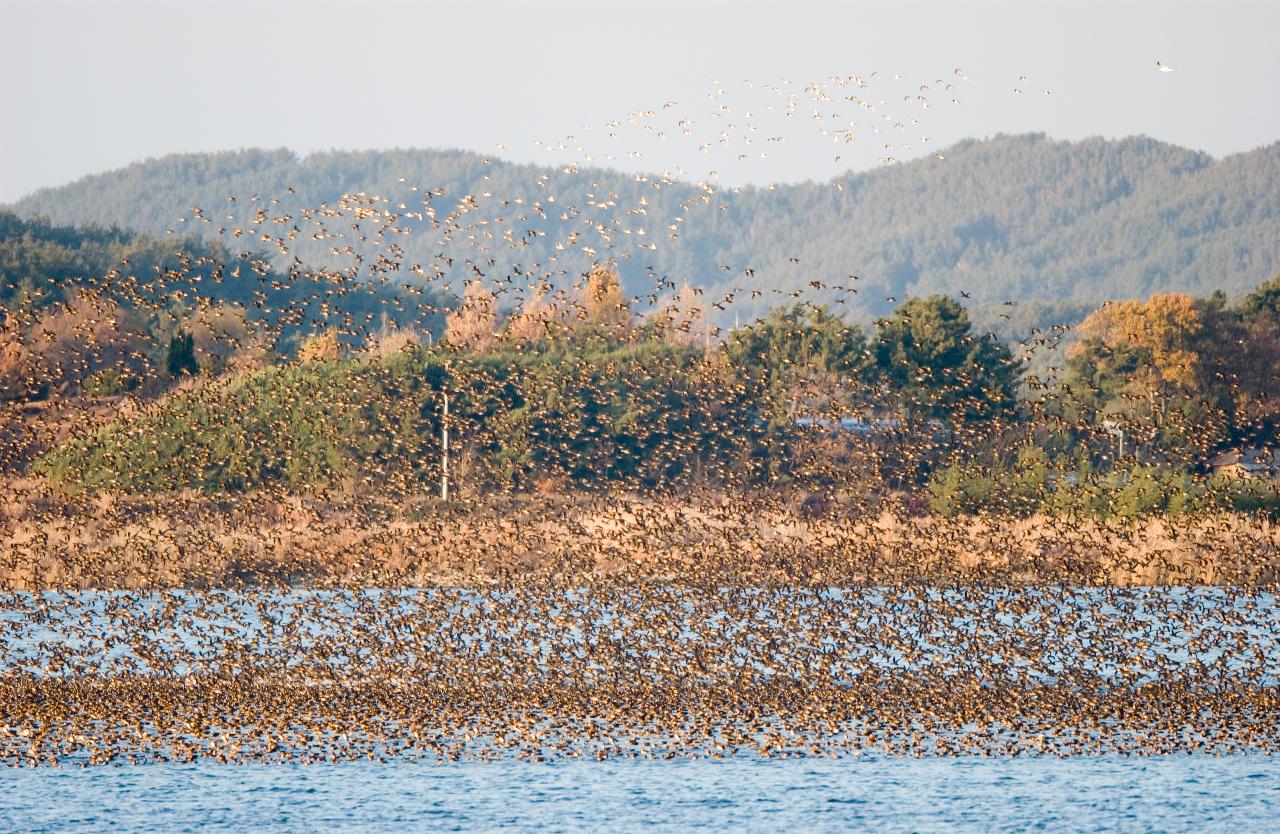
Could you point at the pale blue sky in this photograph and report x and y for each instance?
(97, 85)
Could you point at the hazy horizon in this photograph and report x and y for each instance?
(702, 91)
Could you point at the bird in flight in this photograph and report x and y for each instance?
(1163, 67)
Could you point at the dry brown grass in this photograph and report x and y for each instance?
(50, 539)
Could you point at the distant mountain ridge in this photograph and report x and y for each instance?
(1067, 224)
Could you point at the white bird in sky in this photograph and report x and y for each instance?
(1163, 67)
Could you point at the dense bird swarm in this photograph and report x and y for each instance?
(495, 501)
(553, 669)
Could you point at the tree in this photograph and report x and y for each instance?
(1166, 331)
(801, 354)
(604, 305)
(319, 347)
(16, 366)
(389, 340)
(537, 321)
(1182, 373)
(1264, 301)
(473, 326)
(938, 368)
(1097, 378)
(222, 333)
(1250, 351)
(182, 355)
(87, 333)
(683, 321)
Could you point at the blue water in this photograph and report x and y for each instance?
(1107, 793)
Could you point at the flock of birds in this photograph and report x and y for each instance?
(826, 652)
(486, 236)
(539, 671)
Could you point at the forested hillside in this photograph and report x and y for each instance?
(1066, 224)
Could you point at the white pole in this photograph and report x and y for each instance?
(444, 452)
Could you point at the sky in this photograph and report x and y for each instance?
(727, 92)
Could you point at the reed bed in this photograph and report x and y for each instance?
(50, 539)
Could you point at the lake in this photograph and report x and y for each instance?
(875, 793)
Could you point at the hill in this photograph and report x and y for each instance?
(1066, 224)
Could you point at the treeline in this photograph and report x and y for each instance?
(584, 395)
(580, 394)
(1021, 218)
(1156, 396)
(103, 311)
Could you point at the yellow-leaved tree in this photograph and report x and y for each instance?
(319, 347)
(1167, 329)
(683, 321)
(474, 324)
(538, 321)
(604, 305)
(1152, 370)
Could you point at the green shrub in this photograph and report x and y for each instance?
(111, 382)
(645, 416)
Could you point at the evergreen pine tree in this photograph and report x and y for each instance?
(182, 355)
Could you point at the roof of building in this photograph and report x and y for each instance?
(1250, 459)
